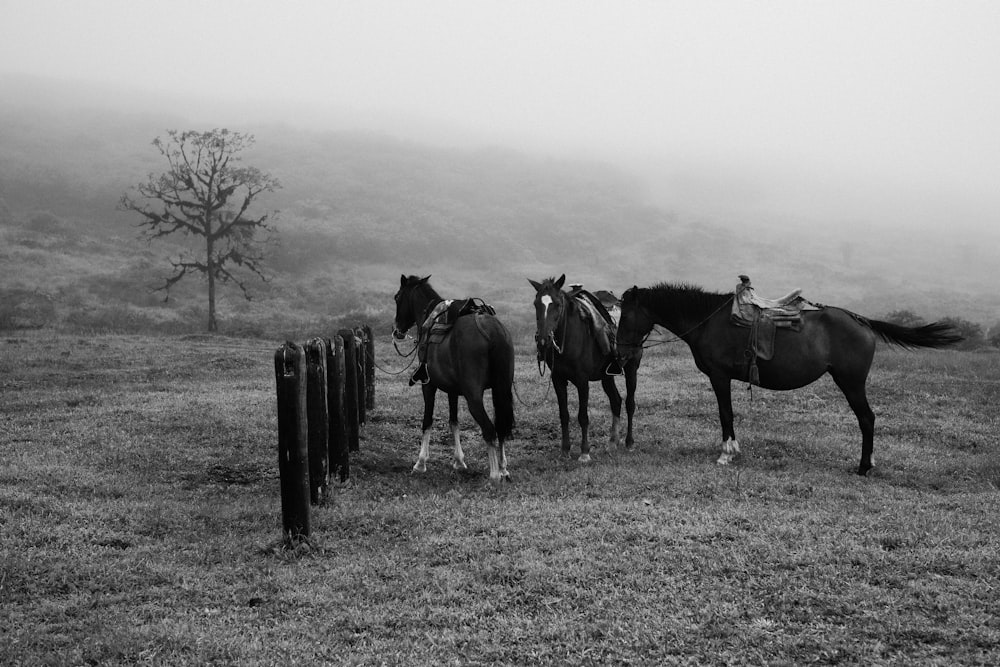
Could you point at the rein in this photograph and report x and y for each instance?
(412, 354)
(531, 406)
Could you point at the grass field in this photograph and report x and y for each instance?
(140, 521)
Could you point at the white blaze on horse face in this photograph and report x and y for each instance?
(546, 301)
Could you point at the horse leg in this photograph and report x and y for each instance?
(459, 462)
(498, 468)
(631, 380)
(582, 416)
(425, 436)
(615, 398)
(500, 454)
(724, 396)
(561, 387)
(857, 398)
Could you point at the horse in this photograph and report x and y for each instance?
(568, 346)
(476, 354)
(831, 340)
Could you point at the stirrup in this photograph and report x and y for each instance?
(420, 376)
(614, 368)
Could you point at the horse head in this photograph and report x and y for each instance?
(634, 325)
(411, 300)
(550, 311)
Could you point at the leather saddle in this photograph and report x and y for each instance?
(602, 325)
(763, 317)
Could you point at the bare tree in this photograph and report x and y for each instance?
(206, 193)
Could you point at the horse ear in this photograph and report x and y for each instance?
(537, 286)
(559, 283)
(402, 280)
(425, 279)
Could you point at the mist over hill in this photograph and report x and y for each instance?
(357, 209)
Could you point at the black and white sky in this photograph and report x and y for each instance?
(874, 109)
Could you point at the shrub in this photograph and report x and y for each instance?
(25, 309)
(993, 335)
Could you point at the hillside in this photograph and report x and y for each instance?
(357, 210)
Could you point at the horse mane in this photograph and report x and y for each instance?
(682, 297)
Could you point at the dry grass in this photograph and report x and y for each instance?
(140, 522)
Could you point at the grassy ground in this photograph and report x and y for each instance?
(140, 521)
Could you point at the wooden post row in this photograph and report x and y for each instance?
(317, 411)
(293, 454)
(324, 389)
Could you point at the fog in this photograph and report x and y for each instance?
(791, 112)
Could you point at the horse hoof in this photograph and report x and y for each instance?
(459, 465)
(420, 466)
(724, 460)
(584, 458)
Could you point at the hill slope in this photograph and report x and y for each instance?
(358, 210)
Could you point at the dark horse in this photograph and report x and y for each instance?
(568, 346)
(475, 355)
(831, 340)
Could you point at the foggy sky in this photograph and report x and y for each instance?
(818, 110)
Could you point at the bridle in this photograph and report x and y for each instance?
(551, 346)
(398, 335)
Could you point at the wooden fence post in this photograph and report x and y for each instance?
(351, 397)
(319, 419)
(362, 350)
(336, 381)
(293, 438)
(369, 367)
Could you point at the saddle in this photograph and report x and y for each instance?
(764, 317)
(443, 316)
(602, 324)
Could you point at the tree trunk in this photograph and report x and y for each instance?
(213, 325)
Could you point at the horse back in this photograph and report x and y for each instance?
(829, 339)
(476, 353)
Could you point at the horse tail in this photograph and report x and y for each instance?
(935, 334)
(501, 360)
